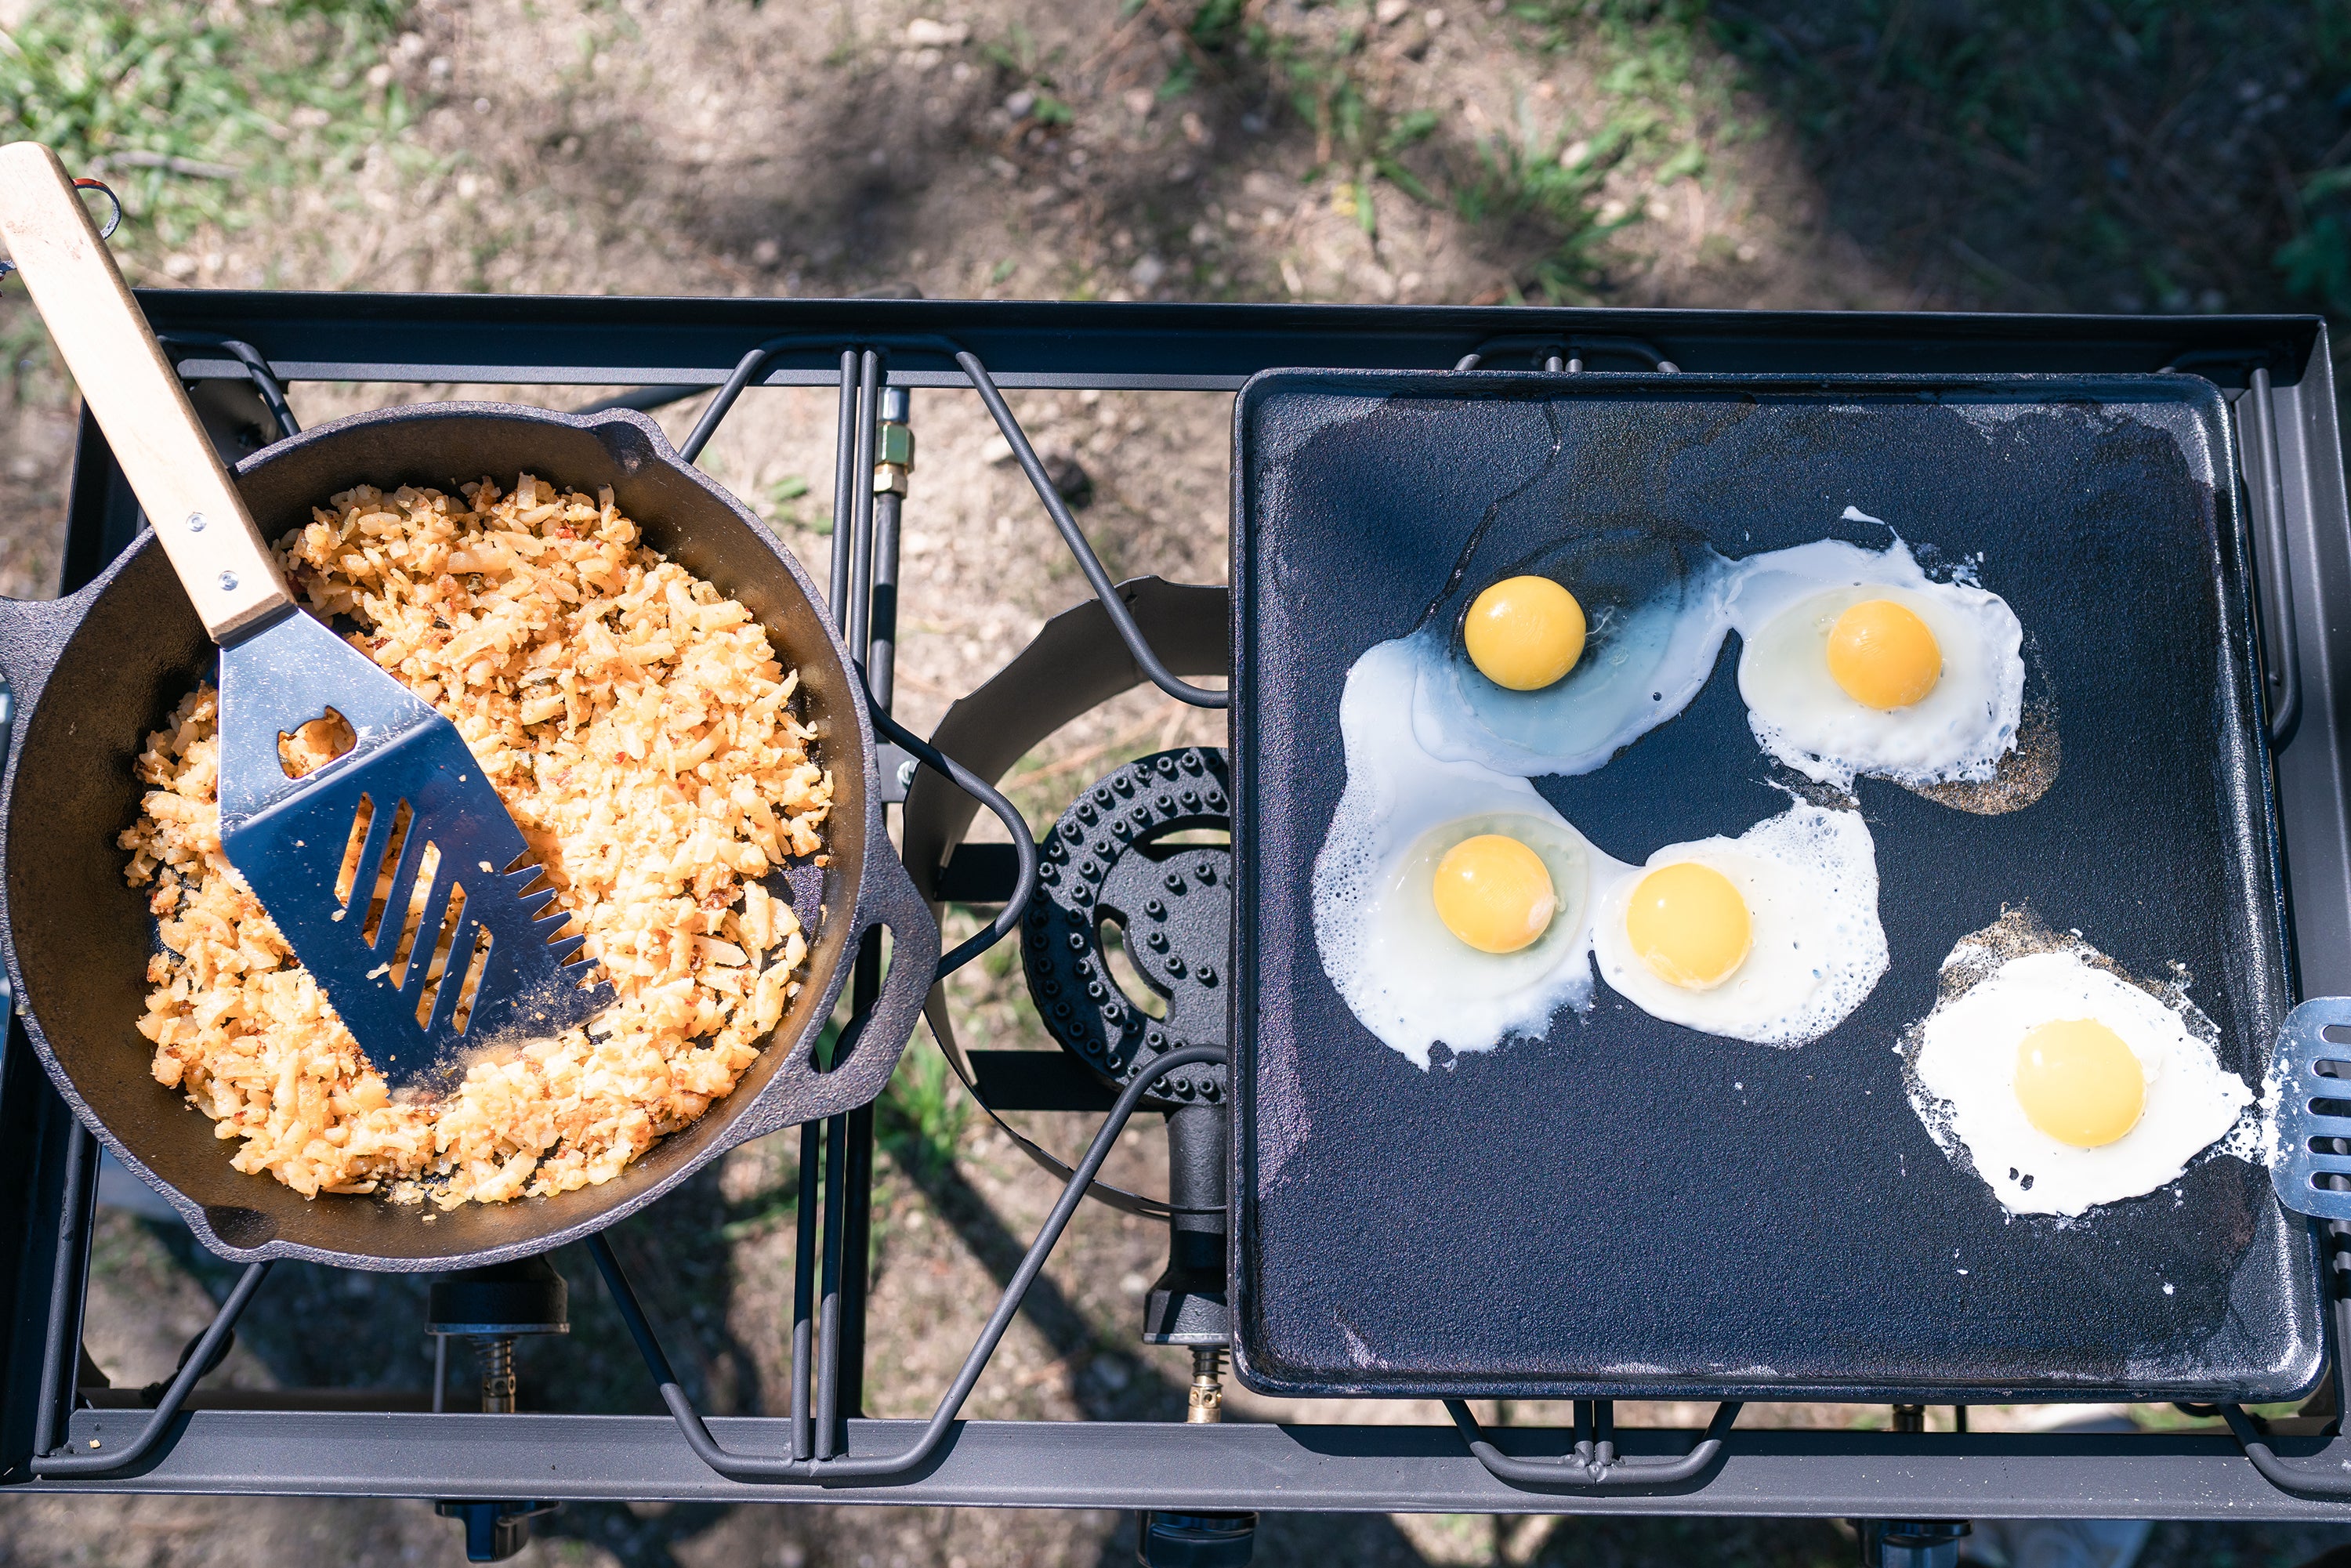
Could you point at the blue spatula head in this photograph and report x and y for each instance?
(336, 856)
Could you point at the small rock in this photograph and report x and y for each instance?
(1021, 104)
(1112, 1373)
(1139, 101)
(1432, 19)
(765, 252)
(996, 452)
(380, 74)
(923, 33)
(1195, 129)
(1147, 272)
(1134, 1284)
(926, 60)
(1574, 153)
(1071, 481)
(1392, 11)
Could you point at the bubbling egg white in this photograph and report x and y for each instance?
(1659, 608)
(1970, 1054)
(1786, 606)
(1402, 972)
(1808, 878)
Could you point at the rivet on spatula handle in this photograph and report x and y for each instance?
(136, 398)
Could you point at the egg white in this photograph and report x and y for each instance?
(1963, 1080)
(1784, 605)
(1404, 974)
(1643, 659)
(1809, 877)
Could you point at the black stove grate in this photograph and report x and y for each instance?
(674, 348)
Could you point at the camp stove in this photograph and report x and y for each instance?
(1139, 855)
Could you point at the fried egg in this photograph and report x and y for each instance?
(1525, 686)
(1771, 936)
(1452, 903)
(1854, 661)
(2063, 1083)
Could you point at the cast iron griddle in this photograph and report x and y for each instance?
(1628, 1207)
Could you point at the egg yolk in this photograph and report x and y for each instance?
(1688, 925)
(2079, 1082)
(1524, 632)
(1494, 894)
(1883, 655)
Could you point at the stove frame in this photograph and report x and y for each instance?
(330, 1442)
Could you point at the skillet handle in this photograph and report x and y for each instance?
(869, 1051)
(33, 633)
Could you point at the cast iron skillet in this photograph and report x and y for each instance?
(92, 673)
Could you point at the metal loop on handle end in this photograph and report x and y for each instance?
(1557, 354)
(1594, 1466)
(112, 223)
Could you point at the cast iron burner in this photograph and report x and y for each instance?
(1126, 855)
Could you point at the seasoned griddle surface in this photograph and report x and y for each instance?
(1626, 1206)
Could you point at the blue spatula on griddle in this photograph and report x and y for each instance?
(335, 855)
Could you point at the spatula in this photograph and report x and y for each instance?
(2310, 1152)
(336, 855)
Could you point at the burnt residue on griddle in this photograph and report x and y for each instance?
(2020, 932)
(2024, 775)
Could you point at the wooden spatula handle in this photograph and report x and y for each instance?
(131, 389)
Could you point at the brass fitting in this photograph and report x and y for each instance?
(893, 459)
(1206, 1403)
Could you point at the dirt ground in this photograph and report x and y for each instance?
(1935, 154)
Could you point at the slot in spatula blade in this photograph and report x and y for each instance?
(411, 805)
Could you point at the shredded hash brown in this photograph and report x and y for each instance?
(638, 728)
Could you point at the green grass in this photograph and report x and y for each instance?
(1665, 92)
(921, 1116)
(188, 118)
(2317, 261)
(2168, 155)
